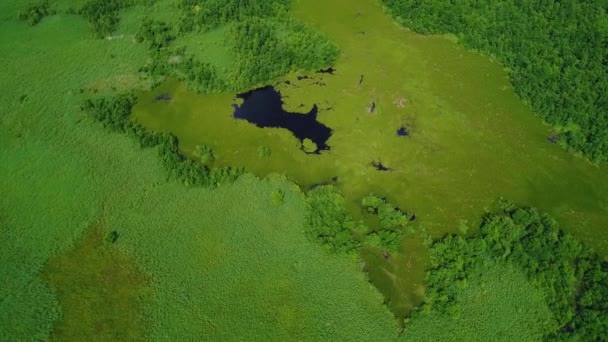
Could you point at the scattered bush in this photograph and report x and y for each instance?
(329, 222)
(157, 33)
(205, 155)
(103, 15)
(35, 11)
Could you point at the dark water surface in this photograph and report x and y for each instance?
(264, 108)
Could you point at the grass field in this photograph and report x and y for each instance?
(501, 305)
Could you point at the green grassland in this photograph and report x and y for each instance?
(99, 242)
(499, 305)
(472, 139)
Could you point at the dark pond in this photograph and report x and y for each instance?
(264, 108)
(380, 167)
(403, 132)
(163, 97)
(327, 71)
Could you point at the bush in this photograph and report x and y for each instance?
(103, 15)
(35, 11)
(157, 33)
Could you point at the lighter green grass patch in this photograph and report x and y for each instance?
(502, 305)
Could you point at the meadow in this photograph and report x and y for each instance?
(101, 241)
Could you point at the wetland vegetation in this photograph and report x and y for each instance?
(262, 170)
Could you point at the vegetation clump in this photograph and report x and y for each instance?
(555, 51)
(208, 14)
(574, 279)
(103, 15)
(157, 33)
(35, 11)
(205, 154)
(393, 223)
(330, 222)
(264, 151)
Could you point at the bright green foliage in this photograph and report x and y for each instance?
(329, 222)
(392, 223)
(309, 146)
(205, 155)
(277, 196)
(573, 279)
(200, 76)
(103, 15)
(209, 14)
(264, 151)
(35, 11)
(555, 50)
(157, 33)
(262, 52)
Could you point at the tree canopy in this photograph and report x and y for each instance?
(556, 52)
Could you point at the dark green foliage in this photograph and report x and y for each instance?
(209, 14)
(557, 53)
(113, 113)
(103, 15)
(157, 33)
(392, 223)
(574, 280)
(35, 11)
(329, 222)
(201, 76)
(262, 54)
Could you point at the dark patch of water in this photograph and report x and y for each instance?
(113, 237)
(163, 97)
(403, 132)
(264, 108)
(380, 167)
(288, 82)
(372, 108)
(329, 70)
(303, 78)
(332, 181)
(553, 138)
(361, 79)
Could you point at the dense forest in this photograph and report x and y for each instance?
(556, 52)
(573, 278)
